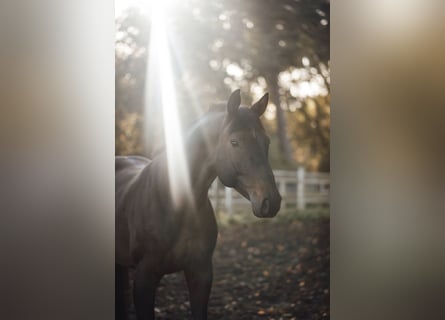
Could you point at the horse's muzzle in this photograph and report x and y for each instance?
(266, 207)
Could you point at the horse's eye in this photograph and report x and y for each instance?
(234, 143)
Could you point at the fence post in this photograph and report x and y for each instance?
(301, 203)
(322, 187)
(229, 200)
(212, 189)
(215, 197)
(283, 192)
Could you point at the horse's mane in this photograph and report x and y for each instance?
(215, 110)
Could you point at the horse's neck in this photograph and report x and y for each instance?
(201, 144)
(200, 147)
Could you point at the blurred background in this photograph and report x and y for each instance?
(280, 47)
(198, 52)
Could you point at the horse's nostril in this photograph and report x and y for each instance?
(265, 206)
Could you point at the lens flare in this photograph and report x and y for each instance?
(161, 88)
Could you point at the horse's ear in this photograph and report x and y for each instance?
(260, 106)
(234, 102)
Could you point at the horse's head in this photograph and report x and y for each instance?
(242, 156)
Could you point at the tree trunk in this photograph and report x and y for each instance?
(284, 144)
(325, 163)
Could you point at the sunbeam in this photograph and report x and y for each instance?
(161, 88)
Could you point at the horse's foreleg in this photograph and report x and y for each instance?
(121, 278)
(144, 289)
(199, 281)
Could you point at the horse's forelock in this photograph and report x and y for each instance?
(246, 120)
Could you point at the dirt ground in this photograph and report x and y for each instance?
(261, 271)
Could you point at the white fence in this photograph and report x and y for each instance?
(297, 188)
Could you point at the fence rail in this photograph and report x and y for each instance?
(297, 188)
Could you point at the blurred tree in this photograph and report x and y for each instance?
(130, 65)
(266, 39)
(309, 130)
(222, 44)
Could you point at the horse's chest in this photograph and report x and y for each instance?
(171, 241)
(195, 242)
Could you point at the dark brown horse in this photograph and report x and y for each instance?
(158, 235)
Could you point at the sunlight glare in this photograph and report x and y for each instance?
(160, 60)
(235, 71)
